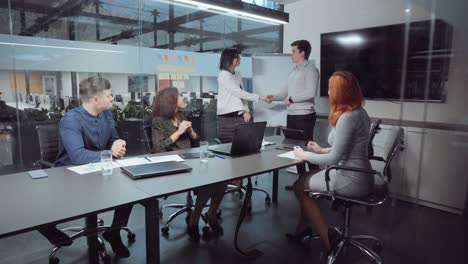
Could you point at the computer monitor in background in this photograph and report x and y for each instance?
(118, 98)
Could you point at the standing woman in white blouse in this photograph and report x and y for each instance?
(232, 106)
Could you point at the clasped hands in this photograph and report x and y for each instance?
(266, 98)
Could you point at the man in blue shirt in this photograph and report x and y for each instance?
(84, 132)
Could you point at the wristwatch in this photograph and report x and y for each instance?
(290, 100)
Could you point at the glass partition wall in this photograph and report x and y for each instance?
(141, 47)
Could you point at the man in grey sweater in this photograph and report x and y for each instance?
(300, 91)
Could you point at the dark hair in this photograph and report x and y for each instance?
(92, 86)
(303, 45)
(227, 57)
(165, 103)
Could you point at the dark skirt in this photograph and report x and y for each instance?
(226, 126)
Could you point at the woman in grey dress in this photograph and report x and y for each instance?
(172, 131)
(348, 139)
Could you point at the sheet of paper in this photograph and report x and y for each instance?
(91, 167)
(267, 143)
(288, 155)
(166, 158)
(145, 160)
(132, 161)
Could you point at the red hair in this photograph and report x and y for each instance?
(345, 95)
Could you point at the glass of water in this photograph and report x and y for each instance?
(203, 151)
(106, 162)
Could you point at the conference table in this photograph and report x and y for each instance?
(65, 195)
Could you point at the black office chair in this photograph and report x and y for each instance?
(48, 137)
(242, 189)
(375, 128)
(378, 196)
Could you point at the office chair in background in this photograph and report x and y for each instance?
(379, 195)
(48, 137)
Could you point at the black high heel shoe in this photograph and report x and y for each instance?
(193, 233)
(298, 237)
(215, 227)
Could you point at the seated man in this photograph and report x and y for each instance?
(84, 132)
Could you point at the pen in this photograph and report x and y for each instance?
(219, 156)
(148, 159)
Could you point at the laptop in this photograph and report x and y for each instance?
(247, 139)
(155, 169)
(293, 137)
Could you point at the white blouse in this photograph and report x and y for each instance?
(231, 95)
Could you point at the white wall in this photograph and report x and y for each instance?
(308, 19)
(7, 96)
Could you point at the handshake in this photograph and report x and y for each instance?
(266, 98)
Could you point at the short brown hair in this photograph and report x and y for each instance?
(165, 103)
(303, 46)
(92, 86)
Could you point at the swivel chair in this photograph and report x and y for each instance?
(377, 197)
(242, 189)
(48, 137)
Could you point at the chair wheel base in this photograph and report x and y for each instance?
(131, 238)
(54, 260)
(377, 248)
(106, 259)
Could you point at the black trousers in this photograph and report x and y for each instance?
(227, 126)
(121, 216)
(302, 122)
(306, 123)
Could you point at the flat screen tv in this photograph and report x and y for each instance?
(378, 59)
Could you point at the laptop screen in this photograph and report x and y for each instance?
(248, 138)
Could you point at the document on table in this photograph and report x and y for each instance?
(146, 160)
(267, 143)
(288, 155)
(91, 167)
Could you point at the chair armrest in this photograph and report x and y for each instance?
(44, 164)
(377, 158)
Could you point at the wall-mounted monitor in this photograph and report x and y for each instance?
(377, 57)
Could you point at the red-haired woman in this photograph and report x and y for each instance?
(348, 139)
(172, 131)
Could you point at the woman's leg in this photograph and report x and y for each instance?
(216, 198)
(299, 188)
(310, 207)
(203, 195)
